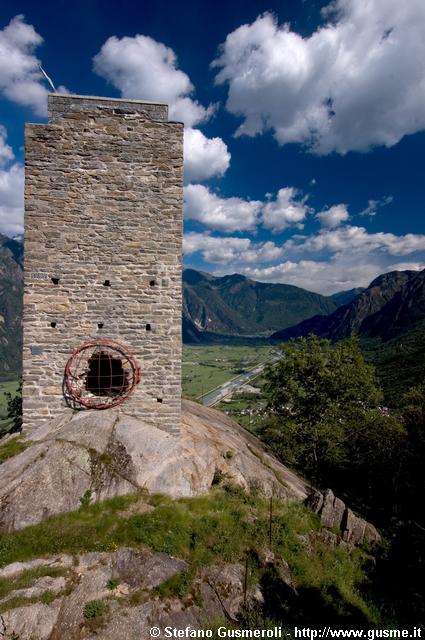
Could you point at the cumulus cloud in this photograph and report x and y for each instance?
(340, 273)
(238, 214)
(20, 78)
(374, 205)
(330, 261)
(352, 239)
(11, 190)
(12, 200)
(355, 83)
(285, 211)
(333, 216)
(204, 157)
(231, 250)
(222, 214)
(141, 67)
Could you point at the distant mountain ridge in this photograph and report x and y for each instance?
(234, 305)
(345, 297)
(390, 300)
(389, 318)
(11, 295)
(403, 312)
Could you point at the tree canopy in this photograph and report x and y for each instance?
(324, 415)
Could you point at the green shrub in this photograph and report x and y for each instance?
(47, 597)
(112, 584)
(177, 586)
(94, 609)
(85, 499)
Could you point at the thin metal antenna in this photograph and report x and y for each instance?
(47, 78)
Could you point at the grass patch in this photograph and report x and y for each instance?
(26, 578)
(112, 584)
(18, 601)
(11, 448)
(212, 529)
(47, 597)
(94, 609)
(177, 586)
(138, 597)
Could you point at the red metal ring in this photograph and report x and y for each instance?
(73, 379)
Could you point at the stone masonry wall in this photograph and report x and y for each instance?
(103, 201)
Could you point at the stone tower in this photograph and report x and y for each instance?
(103, 239)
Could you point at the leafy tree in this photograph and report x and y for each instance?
(324, 417)
(14, 409)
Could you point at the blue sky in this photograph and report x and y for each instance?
(304, 122)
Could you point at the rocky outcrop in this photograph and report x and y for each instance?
(123, 584)
(335, 515)
(99, 454)
(124, 592)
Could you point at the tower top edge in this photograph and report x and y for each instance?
(60, 103)
(78, 98)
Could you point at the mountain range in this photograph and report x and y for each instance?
(374, 311)
(389, 319)
(233, 305)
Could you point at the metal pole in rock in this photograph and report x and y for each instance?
(245, 585)
(270, 520)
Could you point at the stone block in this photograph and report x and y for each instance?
(332, 511)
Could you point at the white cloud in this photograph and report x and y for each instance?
(355, 83)
(354, 239)
(330, 261)
(340, 273)
(12, 200)
(11, 190)
(20, 77)
(6, 152)
(285, 211)
(374, 205)
(223, 214)
(204, 157)
(141, 67)
(230, 251)
(237, 214)
(334, 216)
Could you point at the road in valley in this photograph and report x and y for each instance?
(216, 395)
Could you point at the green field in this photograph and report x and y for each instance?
(207, 367)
